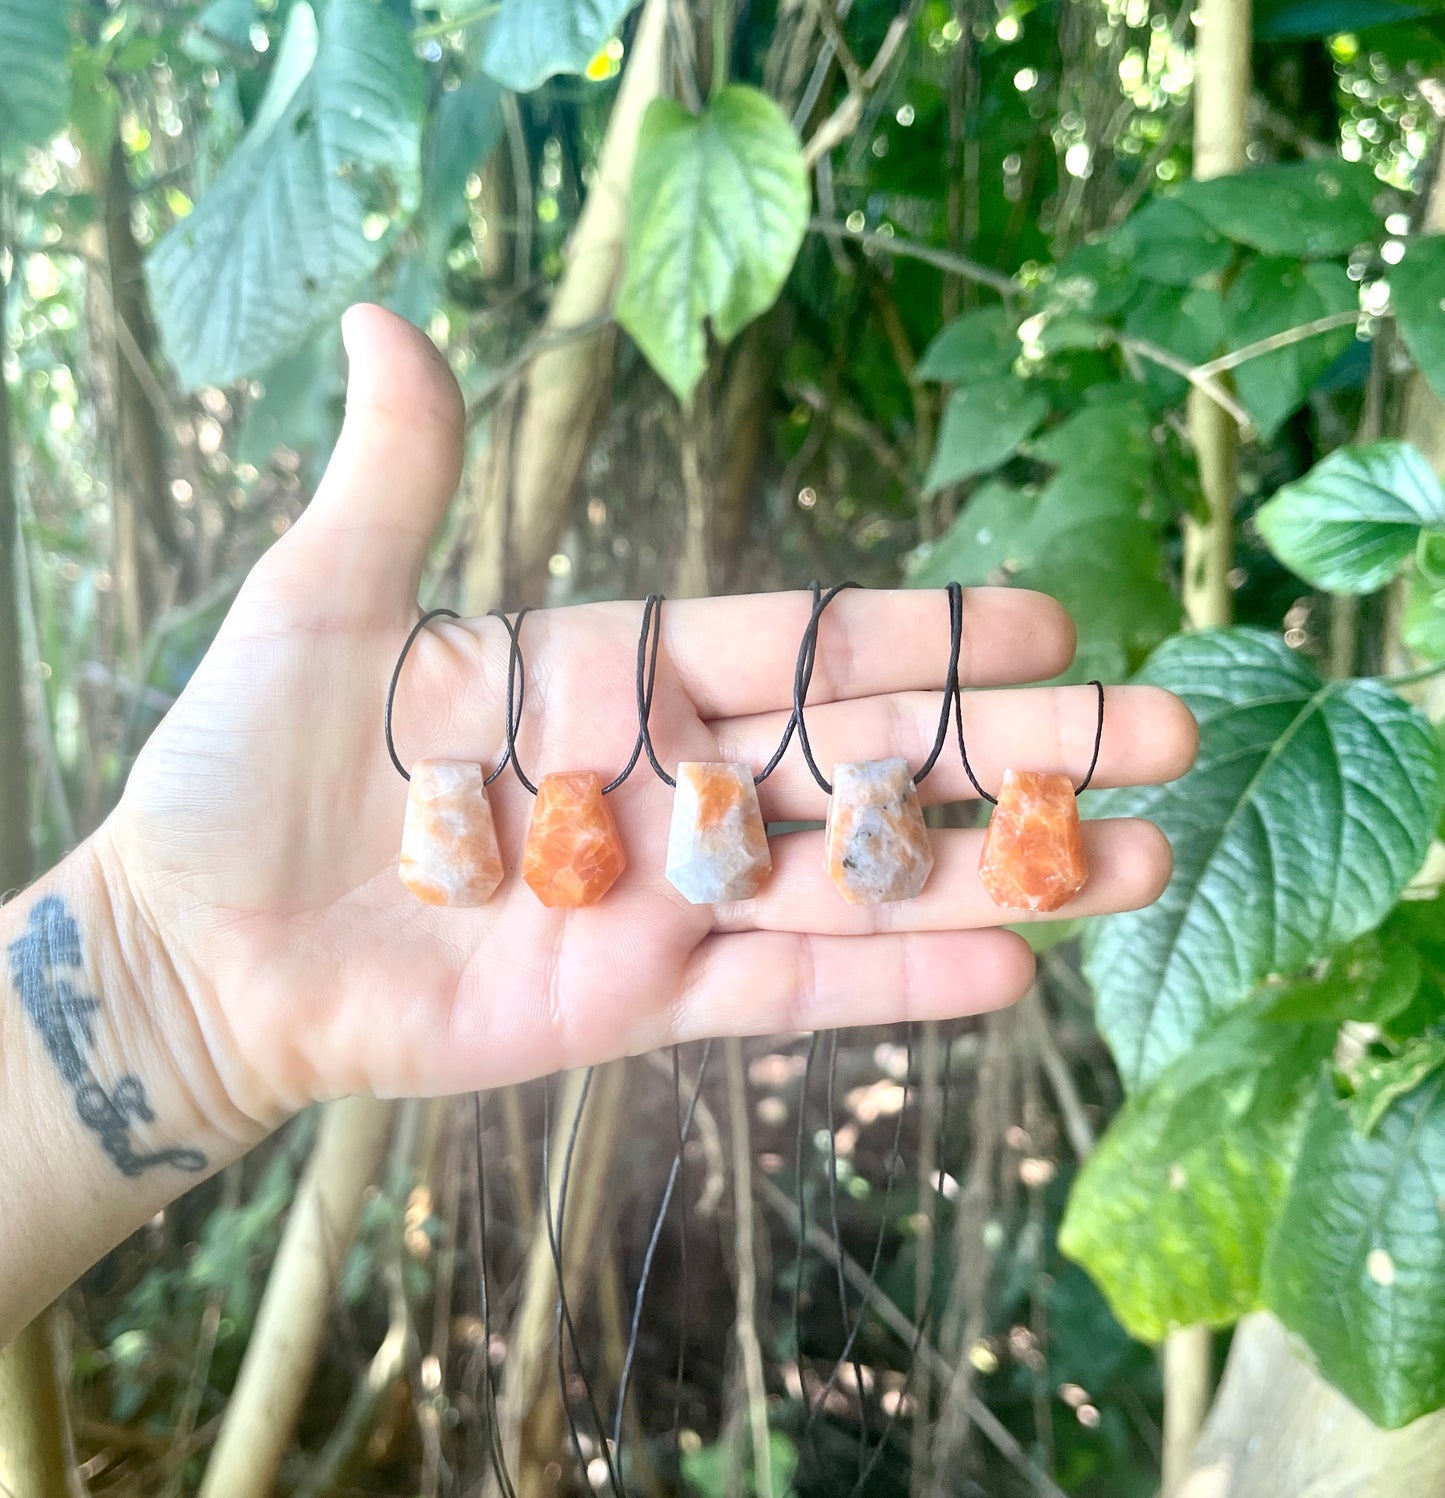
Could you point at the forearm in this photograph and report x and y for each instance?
(110, 1106)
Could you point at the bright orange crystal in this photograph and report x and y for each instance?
(449, 853)
(573, 854)
(1033, 852)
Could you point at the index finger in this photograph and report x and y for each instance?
(736, 655)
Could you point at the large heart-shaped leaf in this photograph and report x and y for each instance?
(34, 79)
(1357, 1263)
(1349, 523)
(1173, 1211)
(718, 210)
(1268, 296)
(1312, 209)
(1417, 285)
(1309, 808)
(983, 423)
(305, 208)
(530, 40)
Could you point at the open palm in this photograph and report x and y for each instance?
(260, 828)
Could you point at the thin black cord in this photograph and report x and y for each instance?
(803, 677)
(635, 1330)
(499, 1457)
(386, 711)
(646, 682)
(1079, 789)
(849, 1336)
(516, 692)
(950, 685)
(555, 1229)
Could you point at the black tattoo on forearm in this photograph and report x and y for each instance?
(46, 963)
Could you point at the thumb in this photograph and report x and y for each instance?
(363, 539)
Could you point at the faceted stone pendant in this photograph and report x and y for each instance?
(1033, 851)
(877, 845)
(573, 854)
(717, 847)
(449, 853)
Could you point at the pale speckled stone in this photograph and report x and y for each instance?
(449, 853)
(877, 845)
(717, 846)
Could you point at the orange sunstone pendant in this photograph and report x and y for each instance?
(573, 854)
(1033, 851)
(449, 853)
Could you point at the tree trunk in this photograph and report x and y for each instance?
(286, 1342)
(32, 1438)
(545, 418)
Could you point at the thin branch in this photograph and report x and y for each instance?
(446, 26)
(1061, 1079)
(844, 119)
(910, 249)
(994, 1431)
(1275, 341)
(541, 343)
(1201, 382)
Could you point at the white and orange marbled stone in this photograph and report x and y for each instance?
(877, 846)
(1033, 851)
(573, 854)
(449, 853)
(717, 846)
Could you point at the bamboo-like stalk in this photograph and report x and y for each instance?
(1221, 99)
(281, 1358)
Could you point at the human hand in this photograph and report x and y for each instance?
(257, 837)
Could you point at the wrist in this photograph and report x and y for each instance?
(166, 1026)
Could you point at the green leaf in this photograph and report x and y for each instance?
(34, 78)
(1423, 625)
(305, 208)
(1172, 1213)
(1312, 209)
(1310, 806)
(719, 208)
(1349, 523)
(1417, 292)
(1173, 245)
(1419, 926)
(1187, 323)
(1383, 1081)
(1368, 981)
(983, 423)
(1275, 20)
(976, 346)
(1269, 296)
(1098, 279)
(1357, 1263)
(1090, 536)
(531, 40)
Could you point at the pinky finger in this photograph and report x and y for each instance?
(766, 982)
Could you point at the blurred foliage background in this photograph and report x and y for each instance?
(1137, 303)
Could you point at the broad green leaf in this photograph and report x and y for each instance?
(1350, 522)
(1357, 1264)
(34, 78)
(1309, 808)
(1418, 925)
(299, 406)
(1271, 296)
(1090, 536)
(306, 207)
(1173, 245)
(1172, 1213)
(983, 423)
(1098, 279)
(1368, 980)
(465, 125)
(1313, 209)
(1275, 20)
(531, 40)
(719, 208)
(1417, 292)
(973, 347)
